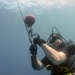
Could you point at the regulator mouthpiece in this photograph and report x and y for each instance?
(29, 20)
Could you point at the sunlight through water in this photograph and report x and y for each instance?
(40, 4)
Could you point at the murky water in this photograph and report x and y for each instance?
(14, 42)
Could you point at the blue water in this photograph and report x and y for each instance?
(14, 42)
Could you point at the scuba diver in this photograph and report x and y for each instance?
(59, 54)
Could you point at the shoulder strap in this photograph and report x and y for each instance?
(72, 62)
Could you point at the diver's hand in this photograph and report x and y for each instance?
(38, 41)
(33, 49)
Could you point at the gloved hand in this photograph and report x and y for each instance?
(38, 41)
(33, 49)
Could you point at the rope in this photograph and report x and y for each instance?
(24, 22)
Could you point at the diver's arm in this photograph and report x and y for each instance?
(36, 63)
(54, 56)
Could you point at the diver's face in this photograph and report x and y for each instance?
(56, 43)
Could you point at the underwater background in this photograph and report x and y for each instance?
(14, 42)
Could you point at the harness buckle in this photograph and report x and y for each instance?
(62, 69)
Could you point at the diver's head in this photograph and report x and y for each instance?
(55, 39)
